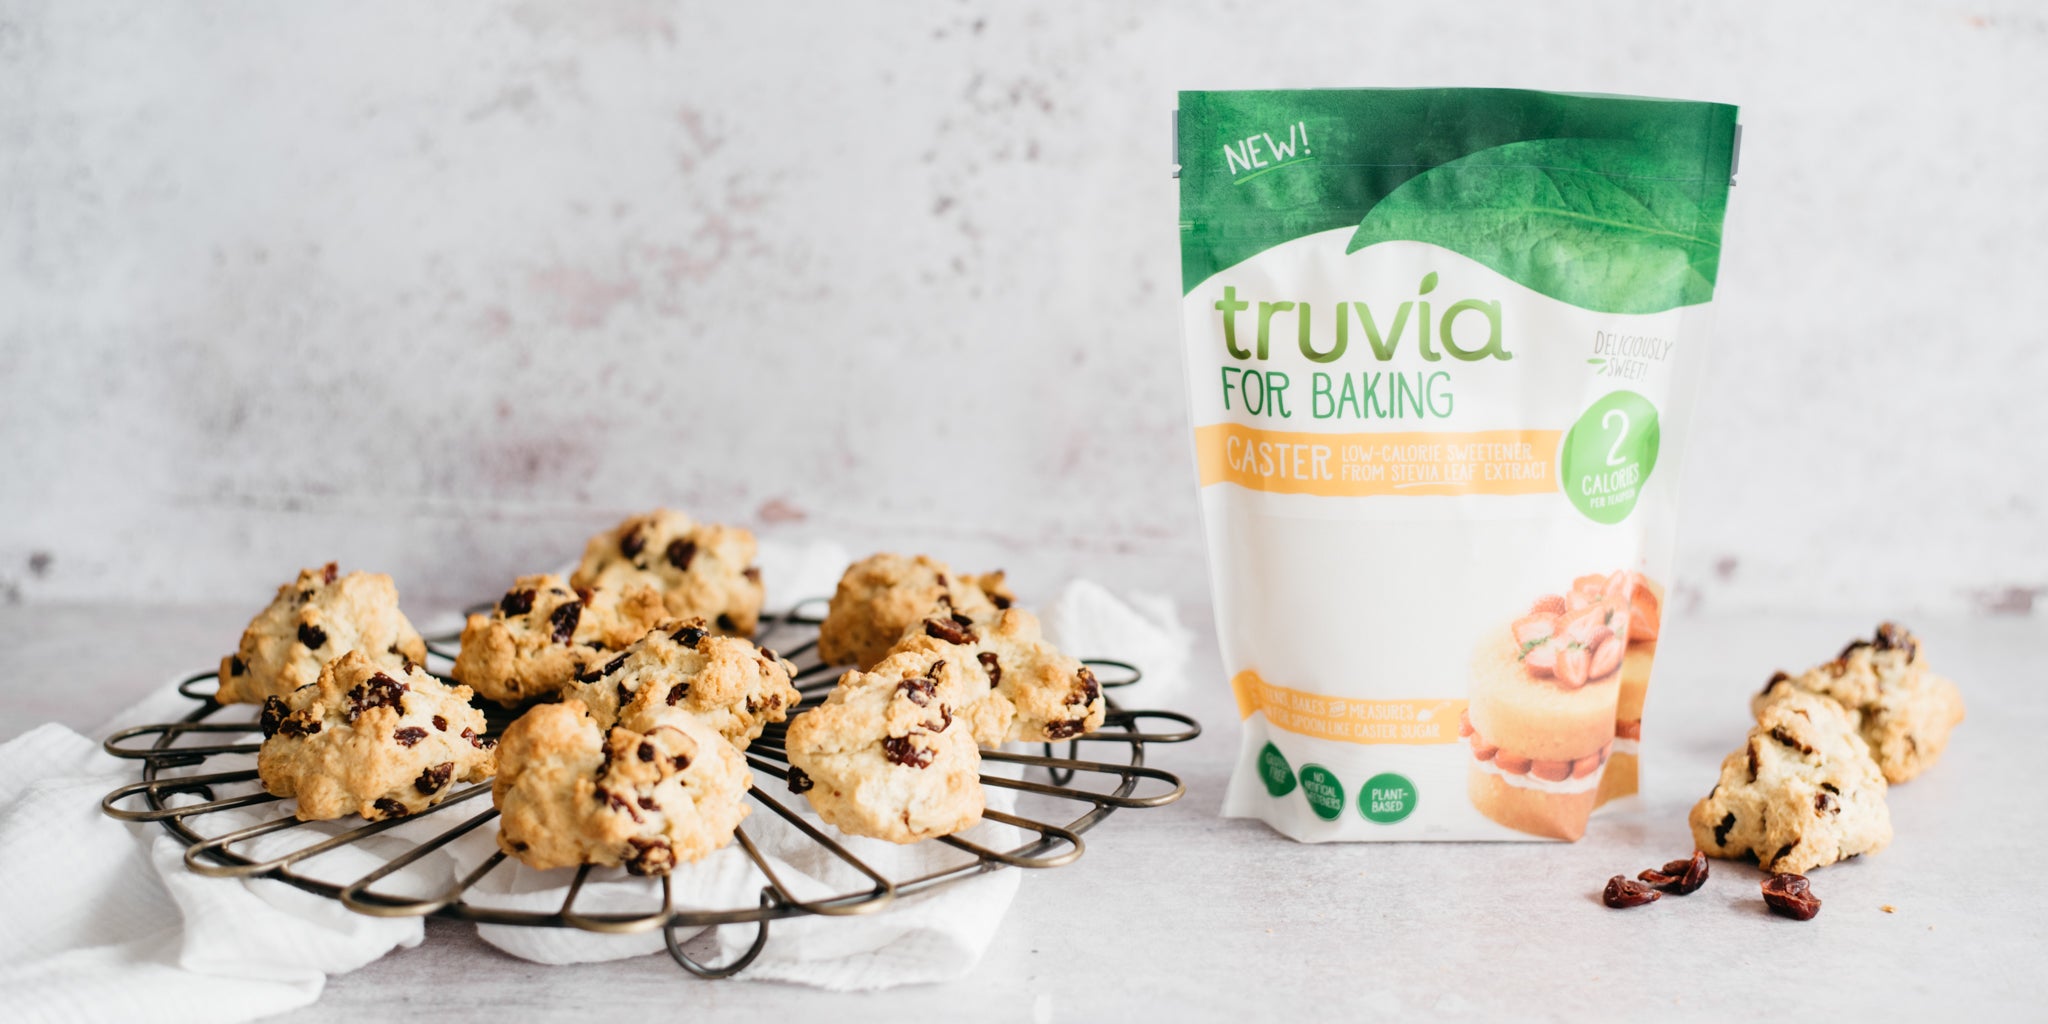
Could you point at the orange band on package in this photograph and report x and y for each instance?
(1362, 465)
(1413, 722)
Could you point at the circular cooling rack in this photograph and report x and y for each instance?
(1052, 785)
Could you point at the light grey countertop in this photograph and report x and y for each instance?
(1179, 914)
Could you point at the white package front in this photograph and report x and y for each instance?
(1440, 349)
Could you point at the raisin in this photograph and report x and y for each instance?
(677, 693)
(563, 620)
(726, 623)
(999, 601)
(900, 750)
(1753, 760)
(1893, 637)
(752, 573)
(992, 665)
(1791, 896)
(680, 552)
(328, 572)
(409, 735)
(651, 857)
(312, 636)
(517, 602)
(945, 720)
(1090, 690)
(647, 804)
(1776, 678)
(646, 751)
(799, 780)
(378, 691)
(273, 714)
(389, 808)
(619, 803)
(1783, 850)
(632, 543)
(951, 630)
(689, 636)
(1621, 893)
(918, 689)
(295, 726)
(625, 696)
(1679, 877)
(1062, 730)
(1721, 830)
(236, 667)
(431, 780)
(1790, 740)
(753, 706)
(476, 741)
(440, 724)
(613, 665)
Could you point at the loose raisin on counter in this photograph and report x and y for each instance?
(1679, 877)
(1621, 893)
(1791, 896)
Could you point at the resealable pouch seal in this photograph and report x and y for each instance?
(1441, 350)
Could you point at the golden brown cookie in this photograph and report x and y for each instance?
(372, 740)
(882, 596)
(541, 635)
(885, 756)
(313, 621)
(1901, 708)
(1802, 792)
(692, 570)
(656, 790)
(725, 681)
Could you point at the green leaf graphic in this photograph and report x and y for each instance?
(1607, 226)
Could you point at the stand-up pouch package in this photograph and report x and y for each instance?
(1442, 347)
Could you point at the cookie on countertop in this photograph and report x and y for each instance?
(1802, 793)
(885, 756)
(1036, 693)
(1902, 709)
(541, 635)
(693, 570)
(726, 681)
(369, 739)
(660, 788)
(882, 596)
(313, 621)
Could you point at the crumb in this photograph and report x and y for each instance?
(1889, 909)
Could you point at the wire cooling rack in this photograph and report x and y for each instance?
(165, 758)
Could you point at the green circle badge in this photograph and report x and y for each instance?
(1387, 798)
(1325, 794)
(1608, 456)
(1275, 772)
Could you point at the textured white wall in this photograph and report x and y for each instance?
(440, 288)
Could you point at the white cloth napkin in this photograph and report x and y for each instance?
(104, 922)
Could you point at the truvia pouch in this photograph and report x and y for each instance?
(1441, 350)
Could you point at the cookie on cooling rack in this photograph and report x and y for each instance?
(693, 570)
(369, 739)
(313, 621)
(886, 757)
(1039, 693)
(726, 681)
(1899, 705)
(883, 595)
(658, 789)
(542, 635)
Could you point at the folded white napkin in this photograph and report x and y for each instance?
(102, 921)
